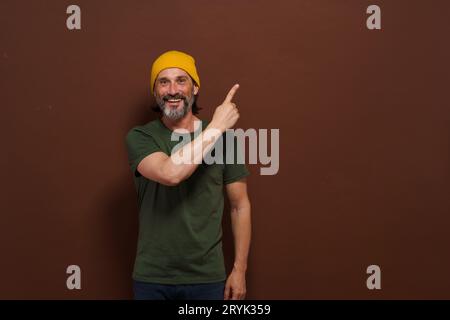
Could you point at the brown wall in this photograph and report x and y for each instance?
(364, 140)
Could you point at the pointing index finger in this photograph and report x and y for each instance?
(231, 93)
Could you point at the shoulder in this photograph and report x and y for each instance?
(143, 134)
(149, 129)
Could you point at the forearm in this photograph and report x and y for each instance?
(241, 225)
(182, 163)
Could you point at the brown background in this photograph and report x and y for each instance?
(364, 140)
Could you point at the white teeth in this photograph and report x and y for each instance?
(174, 100)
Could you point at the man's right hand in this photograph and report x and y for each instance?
(226, 115)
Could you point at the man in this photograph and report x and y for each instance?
(179, 254)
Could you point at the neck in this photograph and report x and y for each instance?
(187, 122)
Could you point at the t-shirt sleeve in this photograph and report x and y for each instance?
(235, 171)
(139, 145)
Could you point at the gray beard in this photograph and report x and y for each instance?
(175, 114)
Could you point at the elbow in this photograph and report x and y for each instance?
(166, 180)
(172, 178)
(162, 174)
(171, 181)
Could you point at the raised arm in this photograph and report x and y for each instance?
(171, 170)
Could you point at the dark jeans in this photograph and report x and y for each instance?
(154, 291)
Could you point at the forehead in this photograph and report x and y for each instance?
(172, 73)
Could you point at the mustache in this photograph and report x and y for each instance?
(176, 96)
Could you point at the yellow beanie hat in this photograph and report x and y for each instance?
(174, 59)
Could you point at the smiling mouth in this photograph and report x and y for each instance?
(173, 100)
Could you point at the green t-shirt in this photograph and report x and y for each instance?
(180, 227)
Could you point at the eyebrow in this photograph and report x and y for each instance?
(179, 77)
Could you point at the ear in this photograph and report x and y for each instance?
(195, 90)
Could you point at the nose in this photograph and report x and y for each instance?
(172, 88)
